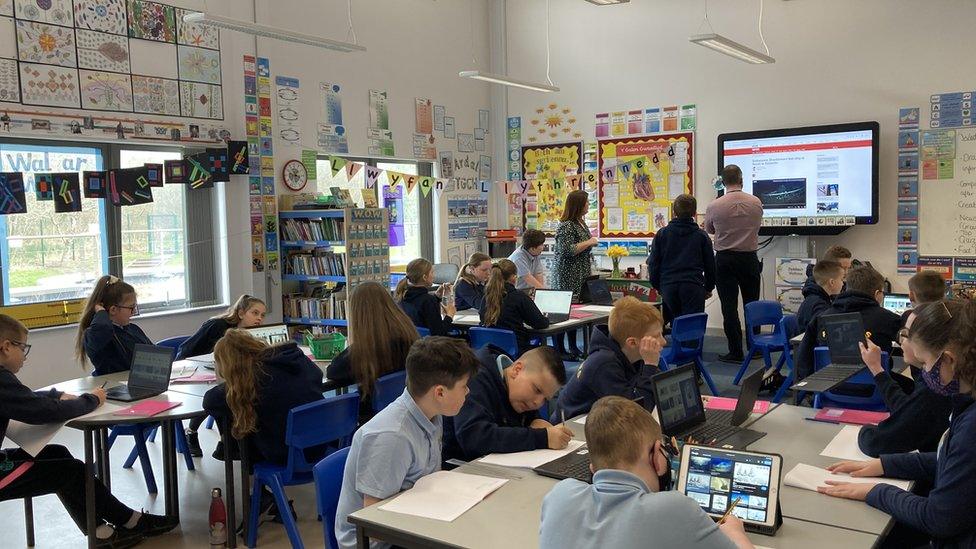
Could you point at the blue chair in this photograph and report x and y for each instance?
(872, 402)
(424, 332)
(759, 314)
(309, 425)
(788, 329)
(687, 342)
(387, 389)
(328, 485)
(504, 339)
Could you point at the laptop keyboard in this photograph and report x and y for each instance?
(722, 417)
(710, 431)
(579, 470)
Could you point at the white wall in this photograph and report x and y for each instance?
(836, 61)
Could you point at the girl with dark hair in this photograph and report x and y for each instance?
(106, 335)
(508, 308)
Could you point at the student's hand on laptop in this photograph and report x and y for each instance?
(100, 393)
(650, 350)
(870, 468)
(871, 355)
(559, 437)
(857, 491)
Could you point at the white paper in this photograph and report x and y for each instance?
(200, 358)
(596, 308)
(581, 420)
(532, 458)
(611, 195)
(33, 438)
(808, 477)
(444, 495)
(676, 185)
(615, 219)
(844, 445)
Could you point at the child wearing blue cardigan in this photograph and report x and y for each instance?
(943, 337)
(106, 335)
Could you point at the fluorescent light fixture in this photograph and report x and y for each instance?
(267, 31)
(731, 48)
(508, 81)
(607, 2)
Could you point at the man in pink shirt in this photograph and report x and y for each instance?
(734, 219)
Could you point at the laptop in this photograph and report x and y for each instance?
(554, 304)
(842, 332)
(745, 403)
(897, 303)
(271, 334)
(584, 294)
(148, 374)
(682, 413)
(598, 292)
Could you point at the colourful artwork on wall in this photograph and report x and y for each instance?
(199, 64)
(9, 82)
(94, 184)
(67, 193)
(546, 166)
(151, 21)
(106, 91)
(198, 100)
(156, 95)
(57, 12)
(13, 199)
(195, 34)
(102, 51)
(49, 85)
(48, 44)
(101, 15)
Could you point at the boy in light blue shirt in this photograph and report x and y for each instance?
(526, 260)
(402, 443)
(626, 506)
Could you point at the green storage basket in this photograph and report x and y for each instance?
(326, 346)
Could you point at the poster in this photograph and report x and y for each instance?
(603, 125)
(467, 217)
(629, 195)
(332, 133)
(289, 111)
(393, 202)
(514, 138)
(670, 118)
(423, 116)
(618, 123)
(546, 166)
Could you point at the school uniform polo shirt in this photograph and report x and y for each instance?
(527, 264)
(388, 455)
(619, 511)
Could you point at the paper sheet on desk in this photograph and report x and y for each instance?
(596, 308)
(202, 358)
(444, 495)
(844, 445)
(532, 458)
(808, 477)
(33, 438)
(581, 420)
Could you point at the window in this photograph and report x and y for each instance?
(154, 239)
(48, 256)
(324, 181)
(404, 211)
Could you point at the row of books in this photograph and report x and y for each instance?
(319, 262)
(313, 229)
(318, 308)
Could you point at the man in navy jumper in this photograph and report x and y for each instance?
(682, 262)
(501, 411)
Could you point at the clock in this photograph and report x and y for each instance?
(294, 175)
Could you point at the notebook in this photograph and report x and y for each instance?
(147, 408)
(808, 477)
(444, 495)
(853, 417)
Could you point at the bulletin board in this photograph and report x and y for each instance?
(545, 163)
(637, 202)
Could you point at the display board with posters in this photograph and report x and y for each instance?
(546, 167)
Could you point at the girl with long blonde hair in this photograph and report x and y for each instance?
(423, 307)
(508, 308)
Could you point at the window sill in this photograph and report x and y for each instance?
(174, 312)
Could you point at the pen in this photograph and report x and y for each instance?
(867, 335)
(729, 510)
(104, 384)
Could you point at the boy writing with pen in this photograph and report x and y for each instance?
(629, 503)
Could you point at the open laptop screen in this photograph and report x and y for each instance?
(678, 399)
(554, 301)
(151, 367)
(897, 303)
(843, 332)
(273, 334)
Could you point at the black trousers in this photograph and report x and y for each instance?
(682, 299)
(735, 272)
(55, 471)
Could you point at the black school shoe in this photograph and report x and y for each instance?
(121, 538)
(732, 358)
(152, 525)
(193, 443)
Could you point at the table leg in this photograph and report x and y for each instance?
(245, 486)
(362, 538)
(89, 486)
(170, 474)
(104, 457)
(229, 487)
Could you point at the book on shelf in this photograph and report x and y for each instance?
(317, 262)
(312, 229)
(331, 306)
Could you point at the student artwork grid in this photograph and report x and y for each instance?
(96, 35)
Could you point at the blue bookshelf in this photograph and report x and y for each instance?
(309, 214)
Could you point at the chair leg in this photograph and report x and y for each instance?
(781, 392)
(252, 518)
(29, 520)
(745, 365)
(127, 464)
(182, 446)
(152, 434)
(146, 465)
(767, 358)
(706, 375)
(285, 512)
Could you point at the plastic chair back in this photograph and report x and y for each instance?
(328, 484)
(424, 332)
(388, 388)
(173, 342)
(503, 339)
(445, 273)
(687, 338)
(762, 313)
(316, 424)
(790, 327)
(874, 401)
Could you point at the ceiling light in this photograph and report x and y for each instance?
(267, 31)
(731, 48)
(607, 2)
(502, 79)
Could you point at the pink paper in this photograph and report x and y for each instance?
(725, 403)
(579, 314)
(854, 417)
(201, 377)
(147, 408)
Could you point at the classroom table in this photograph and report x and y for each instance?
(790, 434)
(510, 518)
(596, 314)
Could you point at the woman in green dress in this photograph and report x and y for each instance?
(571, 261)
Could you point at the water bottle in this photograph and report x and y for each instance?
(218, 519)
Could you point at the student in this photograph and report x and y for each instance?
(424, 308)
(526, 258)
(838, 254)
(924, 287)
(402, 443)
(682, 262)
(469, 288)
(864, 295)
(819, 290)
(53, 470)
(630, 504)
(380, 336)
(261, 385)
(624, 354)
(501, 413)
(918, 415)
(106, 334)
(943, 339)
(508, 308)
(247, 312)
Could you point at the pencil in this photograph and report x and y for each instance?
(729, 510)
(104, 384)
(562, 413)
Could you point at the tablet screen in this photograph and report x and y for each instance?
(716, 477)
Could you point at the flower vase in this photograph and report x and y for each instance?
(616, 268)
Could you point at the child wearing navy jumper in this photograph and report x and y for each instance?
(943, 337)
(106, 335)
(507, 308)
(423, 307)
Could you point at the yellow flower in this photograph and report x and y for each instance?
(617, 251)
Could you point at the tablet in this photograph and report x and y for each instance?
(715, 477)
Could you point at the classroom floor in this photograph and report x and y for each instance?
(54, 529)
